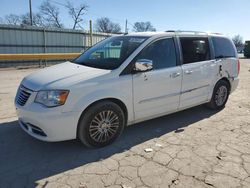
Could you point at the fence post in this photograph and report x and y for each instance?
(44, 41)
(44, 44)
(91, 33)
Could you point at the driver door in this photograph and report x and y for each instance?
(157, 91)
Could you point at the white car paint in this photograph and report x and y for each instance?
(61, 76)
(146, 95)
(151, 99)
(195, 83)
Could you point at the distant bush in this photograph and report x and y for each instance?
(247, 49)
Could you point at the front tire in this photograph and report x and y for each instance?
(220, 95)
(101, 124)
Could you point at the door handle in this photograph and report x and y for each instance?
(218, 60)
(145, 76)
(176, 74)
(188, 72)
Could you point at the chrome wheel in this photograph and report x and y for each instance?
(221, 95)
(104, 126)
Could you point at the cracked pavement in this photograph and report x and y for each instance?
(193, 148)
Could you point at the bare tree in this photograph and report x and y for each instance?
(76, 13)
(50, 14)
(12, 19)
(143, 26)
(107, 26)
(238, 41)
(37, 20)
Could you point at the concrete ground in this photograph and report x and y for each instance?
(192, 148)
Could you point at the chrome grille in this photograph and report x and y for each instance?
(23, 95)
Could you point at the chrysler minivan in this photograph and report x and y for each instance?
(127, 79)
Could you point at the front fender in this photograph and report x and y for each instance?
(97, 95)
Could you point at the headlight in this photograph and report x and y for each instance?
(52, 98)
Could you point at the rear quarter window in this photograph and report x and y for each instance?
(223, 47)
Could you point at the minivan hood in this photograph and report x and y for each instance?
(60, 76)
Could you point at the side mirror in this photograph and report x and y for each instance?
(143, 65)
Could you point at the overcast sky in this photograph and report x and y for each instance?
(229, 17)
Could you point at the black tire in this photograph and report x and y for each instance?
(215, 103)
(90, 128)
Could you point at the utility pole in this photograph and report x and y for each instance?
(126, 27)
(31, 20)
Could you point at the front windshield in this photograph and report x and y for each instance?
(110, 53)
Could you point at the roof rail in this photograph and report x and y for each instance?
(183, 31)
(193, 32)
(217, 33)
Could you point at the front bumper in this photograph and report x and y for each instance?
(47, 124)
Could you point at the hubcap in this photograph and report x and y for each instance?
(104, 126)
(221, 95)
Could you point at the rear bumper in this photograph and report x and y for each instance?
(234, 84)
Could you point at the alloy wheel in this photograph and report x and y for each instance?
(221, 95)
(104, 126)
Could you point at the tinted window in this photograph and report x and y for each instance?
(110, 53)
(223, 47)
(195, 49)
(161, 52)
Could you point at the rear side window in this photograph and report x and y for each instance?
(194, 49)
(223, 47)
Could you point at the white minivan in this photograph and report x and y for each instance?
(127, 79)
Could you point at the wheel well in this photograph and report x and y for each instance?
(226, 80)
(114, 100)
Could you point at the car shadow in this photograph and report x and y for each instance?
(25, 160)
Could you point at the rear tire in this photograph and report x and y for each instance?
(101, 124)
(220, 95)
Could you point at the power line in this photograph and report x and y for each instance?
(94, 14)
(61, 4)
(98, 15)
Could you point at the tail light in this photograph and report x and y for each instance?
(238, 66)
